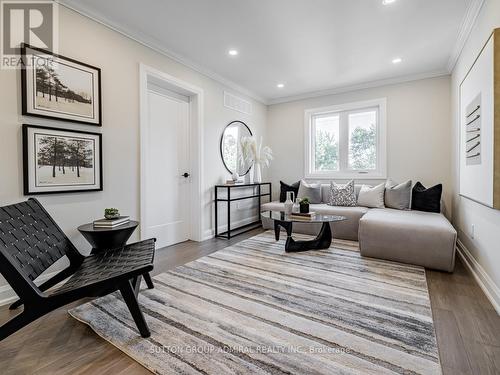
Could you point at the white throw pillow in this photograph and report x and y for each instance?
(372, 197)
(311, 191)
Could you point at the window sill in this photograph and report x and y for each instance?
(347, 176)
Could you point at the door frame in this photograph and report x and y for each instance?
(195, 94)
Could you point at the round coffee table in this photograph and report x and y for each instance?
(322, 241)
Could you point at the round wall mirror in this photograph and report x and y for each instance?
(230, 147)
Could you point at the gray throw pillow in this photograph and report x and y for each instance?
(371, 197)
(398, 196)
(311, 191)
(342, 195)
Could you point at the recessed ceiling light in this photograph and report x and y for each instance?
(397, 60)
(232, 52)
(387, 2)
(280, 85)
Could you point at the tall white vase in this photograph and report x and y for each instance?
(257, 175)
(249, 176)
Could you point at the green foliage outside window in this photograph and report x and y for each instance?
(362, 148)
(326, 152)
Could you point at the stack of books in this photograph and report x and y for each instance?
(111, 223)
(232, 182)
(301, 216)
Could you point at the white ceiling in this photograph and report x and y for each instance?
(310, 45)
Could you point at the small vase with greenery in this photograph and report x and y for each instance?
(304, 205)
(111, 213)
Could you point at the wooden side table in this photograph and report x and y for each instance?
(106, 239)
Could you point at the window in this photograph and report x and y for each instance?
(346, 141)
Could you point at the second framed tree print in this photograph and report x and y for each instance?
(58, 87)
(61, 161)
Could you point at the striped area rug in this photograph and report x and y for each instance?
(253, 309)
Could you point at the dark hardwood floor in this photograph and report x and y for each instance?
(467, 327)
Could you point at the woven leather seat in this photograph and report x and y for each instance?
(31, 241)
(97, 268)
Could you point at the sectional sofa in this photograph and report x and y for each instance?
(415, 237)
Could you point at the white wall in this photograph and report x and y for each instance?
(483, 251)
(118, 57)
(418, 132)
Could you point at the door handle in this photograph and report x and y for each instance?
(186, 175)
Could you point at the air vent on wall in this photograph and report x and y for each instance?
(237, 103)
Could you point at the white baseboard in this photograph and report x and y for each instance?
(7, 294)
(210, 233)
(489, 288)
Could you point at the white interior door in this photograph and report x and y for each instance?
(167, 190)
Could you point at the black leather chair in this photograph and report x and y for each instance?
(31, 241)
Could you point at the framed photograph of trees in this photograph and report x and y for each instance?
(61, 160)
(54, 86)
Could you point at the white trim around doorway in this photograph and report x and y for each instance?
(147, 75)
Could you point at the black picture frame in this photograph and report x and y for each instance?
(222, 139)
(27, 104)
(27, 178)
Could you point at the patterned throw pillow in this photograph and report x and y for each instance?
(342, 195)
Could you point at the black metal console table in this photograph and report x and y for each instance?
(228, 199)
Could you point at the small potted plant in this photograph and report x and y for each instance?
(304, 205)
(111, 213)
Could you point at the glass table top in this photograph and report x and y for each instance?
(317, 218)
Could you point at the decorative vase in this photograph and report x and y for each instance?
(249, 176)
(235, 176)
(290, 197)
(257, 177)
(304, 208)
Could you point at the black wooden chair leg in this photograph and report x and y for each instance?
(148, 280)
(130, 299)
(15, 324)
(48, 284)
(16, 304)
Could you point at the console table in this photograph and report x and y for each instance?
(228, 188)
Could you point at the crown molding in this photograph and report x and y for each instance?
(464, 32)
(150, 43)
(361, 86)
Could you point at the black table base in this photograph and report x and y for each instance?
(101, 241)
(322, 241)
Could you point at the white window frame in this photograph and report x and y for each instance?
(344, 172)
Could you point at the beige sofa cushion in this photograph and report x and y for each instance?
(414, 237)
